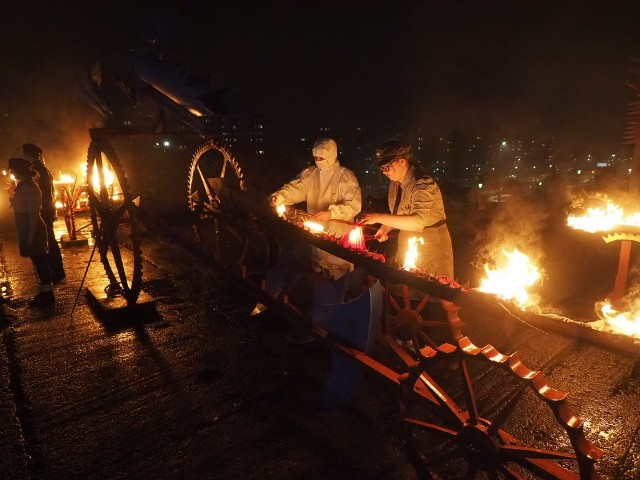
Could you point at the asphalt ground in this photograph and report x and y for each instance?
(198, 389)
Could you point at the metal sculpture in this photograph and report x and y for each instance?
(443, 385)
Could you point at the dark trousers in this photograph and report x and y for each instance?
(41, 263)
(54, 256)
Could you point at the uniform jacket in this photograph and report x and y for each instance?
(45, 182)
(26, 204)
(421, 196)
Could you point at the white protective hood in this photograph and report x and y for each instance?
(327, 149)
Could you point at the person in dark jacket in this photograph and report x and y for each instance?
(31, 229)
(33, 153)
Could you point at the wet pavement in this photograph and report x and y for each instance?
(199, 389)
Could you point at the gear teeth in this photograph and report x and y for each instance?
(618, 236)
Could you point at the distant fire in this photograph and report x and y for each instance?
(627, 323)
(511, 278)
(65, 179)
(602, 219)
(411, 257)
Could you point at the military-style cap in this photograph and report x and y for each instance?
(392, 150)
(21, 165)
(31, 149)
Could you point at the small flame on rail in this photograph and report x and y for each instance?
(411, 256)
(314, 227)
(510, 281)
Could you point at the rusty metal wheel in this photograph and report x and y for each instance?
(417, 320)
(212, 163)
(114, 221)
(229, 237)
(464, 406)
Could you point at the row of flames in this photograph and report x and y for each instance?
(513, 275)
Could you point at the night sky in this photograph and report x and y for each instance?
(500, 68)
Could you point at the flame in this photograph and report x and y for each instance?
(627, 323)
(280, 210)
(603, 219)
(412, 253)
(95, 178)
(511, 280)
(313, 226)
(65, 178)
(354, 239)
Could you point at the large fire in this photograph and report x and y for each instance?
(602, 219)
(511, 278)
(626, 323)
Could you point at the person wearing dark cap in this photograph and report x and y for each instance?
(416, 210)
(32, 232)
(33, 153)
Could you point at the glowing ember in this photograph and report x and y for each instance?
(510, 280)
(603, 219)
(313, 226)
(626, 323)
(280, 210)
(354, 239)
(412, 253)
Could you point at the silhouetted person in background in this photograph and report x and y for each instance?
(32, 232)
(33, 153)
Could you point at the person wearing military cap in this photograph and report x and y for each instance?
(31, 229)
(33, 153)
(416, 209)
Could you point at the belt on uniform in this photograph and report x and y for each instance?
(437, 224)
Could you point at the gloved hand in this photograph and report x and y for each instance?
(274, 200)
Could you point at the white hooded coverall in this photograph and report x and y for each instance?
(326, 186)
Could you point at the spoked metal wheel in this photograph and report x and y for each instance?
(417, 320)
(113, 217)
(215, 229)
(463, 408)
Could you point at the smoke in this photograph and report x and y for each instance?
(516, 222)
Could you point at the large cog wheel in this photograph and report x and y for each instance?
(218, 231)
(114, 221)
(450, 438)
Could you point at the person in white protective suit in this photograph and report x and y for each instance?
(331, 192)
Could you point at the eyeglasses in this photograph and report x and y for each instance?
(387, 166)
